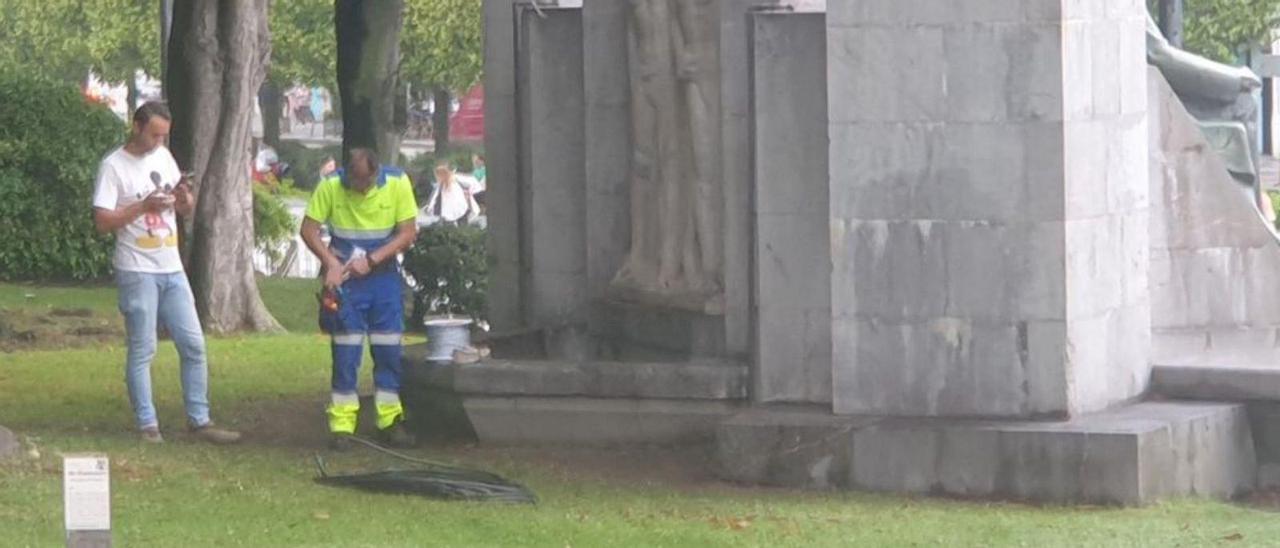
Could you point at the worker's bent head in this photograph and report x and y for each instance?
(362, 168)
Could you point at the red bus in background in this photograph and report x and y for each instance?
(468, 123)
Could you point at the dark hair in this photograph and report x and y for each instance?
(370, 159)
(149, 110)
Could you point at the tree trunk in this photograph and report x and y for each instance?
(368, 34)
(218, 53)
(131, 93)
(166, 26)
(269, 96)
(440, 121)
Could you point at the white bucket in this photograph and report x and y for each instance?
(446, 334)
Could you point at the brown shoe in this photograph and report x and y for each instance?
(150, 435)
(213, 434)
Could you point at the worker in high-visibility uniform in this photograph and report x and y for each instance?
(371, 215)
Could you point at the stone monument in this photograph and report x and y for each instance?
(871, 244)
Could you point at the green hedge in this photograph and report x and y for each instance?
(51, 142)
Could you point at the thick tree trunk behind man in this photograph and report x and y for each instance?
(368, 35)
(217, 61)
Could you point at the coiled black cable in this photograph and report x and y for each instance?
(437, 480)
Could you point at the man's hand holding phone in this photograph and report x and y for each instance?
(158, 201)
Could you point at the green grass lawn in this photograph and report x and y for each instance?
(292, 302)
(28, 306)
(260, 493)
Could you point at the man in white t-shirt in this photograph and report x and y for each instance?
(138, 191)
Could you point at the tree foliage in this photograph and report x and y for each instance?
(442, 44)
(303, 47)
(64, 39)
(123, 36)
(34, 38)
(1222, 30)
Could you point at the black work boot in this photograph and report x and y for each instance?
(396, 435)
(339, 442)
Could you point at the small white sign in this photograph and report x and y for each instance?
(86, 492)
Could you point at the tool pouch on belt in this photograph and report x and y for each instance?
(330, 310)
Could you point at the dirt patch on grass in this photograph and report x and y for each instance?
(57, 328)
(1262, 499)
(71, 313)
(291, 423)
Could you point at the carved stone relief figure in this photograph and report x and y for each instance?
(676, 199)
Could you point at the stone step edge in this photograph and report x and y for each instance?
(1214, 383)
(610, 380)
(1132, 455)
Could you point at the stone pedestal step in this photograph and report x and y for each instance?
(554, 402)
(1130, 455)
(1217, 383)
(695, 380)
(593, 421)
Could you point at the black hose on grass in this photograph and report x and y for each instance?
(437, 480)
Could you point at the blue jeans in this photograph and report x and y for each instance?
(144, 300)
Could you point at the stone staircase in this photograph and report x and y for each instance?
(1166, 446)
(1246, 380)
(583, 403)
(1130, 455)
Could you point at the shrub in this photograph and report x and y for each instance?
(449, 271)
(304, 163)
(51, 142)
(272, 223)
